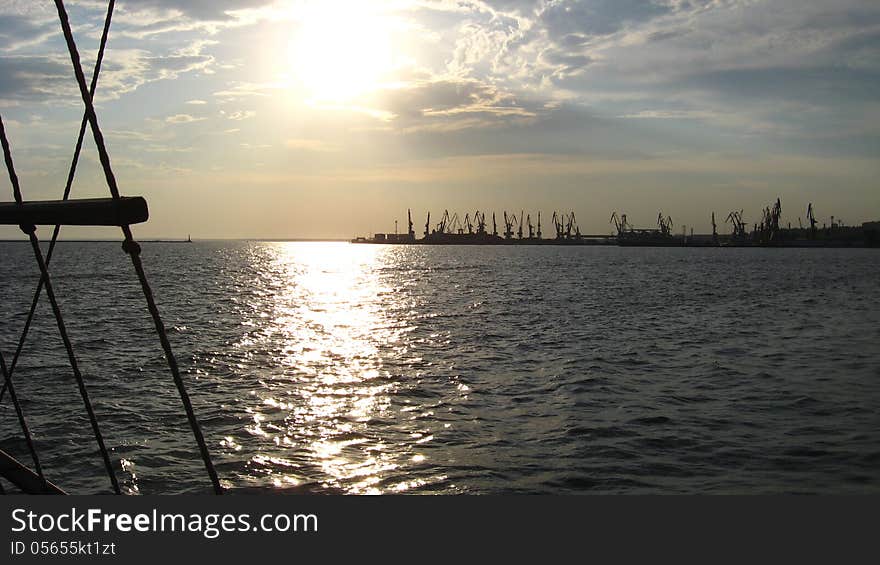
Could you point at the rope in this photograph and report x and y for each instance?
(21, 419)
(31, 230)
(132, 248)
(71, 173)
(50, 293)
(7, 382)
(10, 167)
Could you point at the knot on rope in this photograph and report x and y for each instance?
(131, 247)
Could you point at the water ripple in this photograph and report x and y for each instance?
(340, 368)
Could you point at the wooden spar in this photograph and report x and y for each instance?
(23, 478)
(122, 211)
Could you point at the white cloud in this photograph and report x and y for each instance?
(238, 115)
(182, 119)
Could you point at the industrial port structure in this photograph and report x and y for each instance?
(526, 229)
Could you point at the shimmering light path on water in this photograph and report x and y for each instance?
(330, 367)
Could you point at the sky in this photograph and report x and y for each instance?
(329, 119)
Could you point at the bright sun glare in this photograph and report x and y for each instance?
(341, 51)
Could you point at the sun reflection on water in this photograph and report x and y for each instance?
(332, 324)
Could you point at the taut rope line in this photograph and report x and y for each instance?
(133, 249)
(83, 212)
(71, 173)
(21, 419)
(31, 230)
(7, 376)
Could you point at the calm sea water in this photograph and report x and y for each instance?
(330, 367)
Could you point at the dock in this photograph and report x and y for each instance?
(519, 229)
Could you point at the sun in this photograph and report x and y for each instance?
(341, 52)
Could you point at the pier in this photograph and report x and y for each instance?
(519, 229)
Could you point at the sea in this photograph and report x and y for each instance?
(371, 369)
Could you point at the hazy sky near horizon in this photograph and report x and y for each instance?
(281, 118)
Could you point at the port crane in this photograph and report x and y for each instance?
(480, 219)
(739, 226)
(769, 230)
(455, 225)
(444, 223)
(572, 224)
(812, 219)
(559, 224)
(714, 230)
(776, 215)
(620, 223)
(468, 224)
(773, 216)
(508, 225)
(665, 224)
(769, 227)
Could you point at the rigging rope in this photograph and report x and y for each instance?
(31, 230)
(129, 246)
(133, 249)
(7, 382)
(21, 419)
(70, 175)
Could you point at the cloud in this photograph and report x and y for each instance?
(19, 30)
(126, 70)
(34, 77)
(151, 19)
(237, 90)
(671, 115)
(565, 63)
(567, 77)
(445, 96)
(202, 10)
(182, 119)
(598, 17)
(41, 78)
(489, 168)
(447, 104)
(238, 115)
